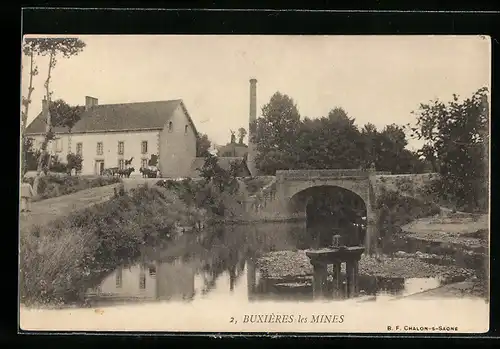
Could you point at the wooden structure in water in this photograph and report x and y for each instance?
(320, 259)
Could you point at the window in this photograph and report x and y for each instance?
(79, 149)
(144, 147)
(119, 278)
(142, 281)
(121, 164)
(100, 148)
(170, 126)
(59, 145)
(186, 129)
(152, 271)
(144, 163)
(121, 148)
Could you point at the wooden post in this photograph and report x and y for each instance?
(319, 280)
(337, 280)
(251, 279)
(352, 278)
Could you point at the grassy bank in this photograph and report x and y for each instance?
(51, 186)
(58, 262)
(222, 200)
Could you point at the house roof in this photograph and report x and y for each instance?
(118, 117)
(224, 162)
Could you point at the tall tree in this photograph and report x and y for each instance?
(369, 134)
(29, 50)
(51, 47)
(329, 142)
(456, 139)
(203, 145)
(241, 135)
(64, 115)
(275, 133)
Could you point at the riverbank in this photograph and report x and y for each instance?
(292, 264)
(452, 247)
(61, 259)
(45, 211)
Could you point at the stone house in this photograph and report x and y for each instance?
(109, 134)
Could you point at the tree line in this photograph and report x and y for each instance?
(455, 135)
(286, 141)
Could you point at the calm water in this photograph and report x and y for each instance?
(220, 265)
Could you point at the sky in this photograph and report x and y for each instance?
(376, 79)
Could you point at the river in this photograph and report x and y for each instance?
(219, 265)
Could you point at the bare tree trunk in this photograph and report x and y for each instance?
(48, 128)
(24, 120)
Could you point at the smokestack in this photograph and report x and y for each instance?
(90, 102)
(44, 104)
(253, 100)
(251, 127)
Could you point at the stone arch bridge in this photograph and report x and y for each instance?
(288, 194)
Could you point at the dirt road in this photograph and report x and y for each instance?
(47, 210)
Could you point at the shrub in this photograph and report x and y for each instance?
(60, 261)
(254, 184)
(216, 193)
(395, 210)
(53, 185)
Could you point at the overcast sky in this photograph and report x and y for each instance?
(377, 79)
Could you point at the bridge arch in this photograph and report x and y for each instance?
(331, 209)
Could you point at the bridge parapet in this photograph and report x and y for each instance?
(326, 173)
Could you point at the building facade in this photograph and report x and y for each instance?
(126, 135)
(153, 281)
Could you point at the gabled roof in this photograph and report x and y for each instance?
(118, 117)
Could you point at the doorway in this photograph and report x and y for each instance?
(99, 167)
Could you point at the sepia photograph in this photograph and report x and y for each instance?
(255, 183)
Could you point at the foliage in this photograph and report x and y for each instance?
(284, 141)
(275, 133)
(395, 210)
(241, 135)
(60, 261)
(30, 155)
(64, 115)
(52, 47)
(55, 165)
(26, 102)
(67, 47)
(456, 143)
(254, 184)
(51, 186)
(216, 192)
(74, 162)
(203, 145)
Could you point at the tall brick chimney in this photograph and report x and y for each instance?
(251, 127)
(90, 102)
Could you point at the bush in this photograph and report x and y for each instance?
(395, 210)
(254, 184)
(60, 261)
(52, 185)
(437, 191)
(217, 192)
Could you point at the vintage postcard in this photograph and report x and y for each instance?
(334, 184)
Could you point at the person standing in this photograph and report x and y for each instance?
(26, 195)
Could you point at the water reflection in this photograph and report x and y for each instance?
(220, 265)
